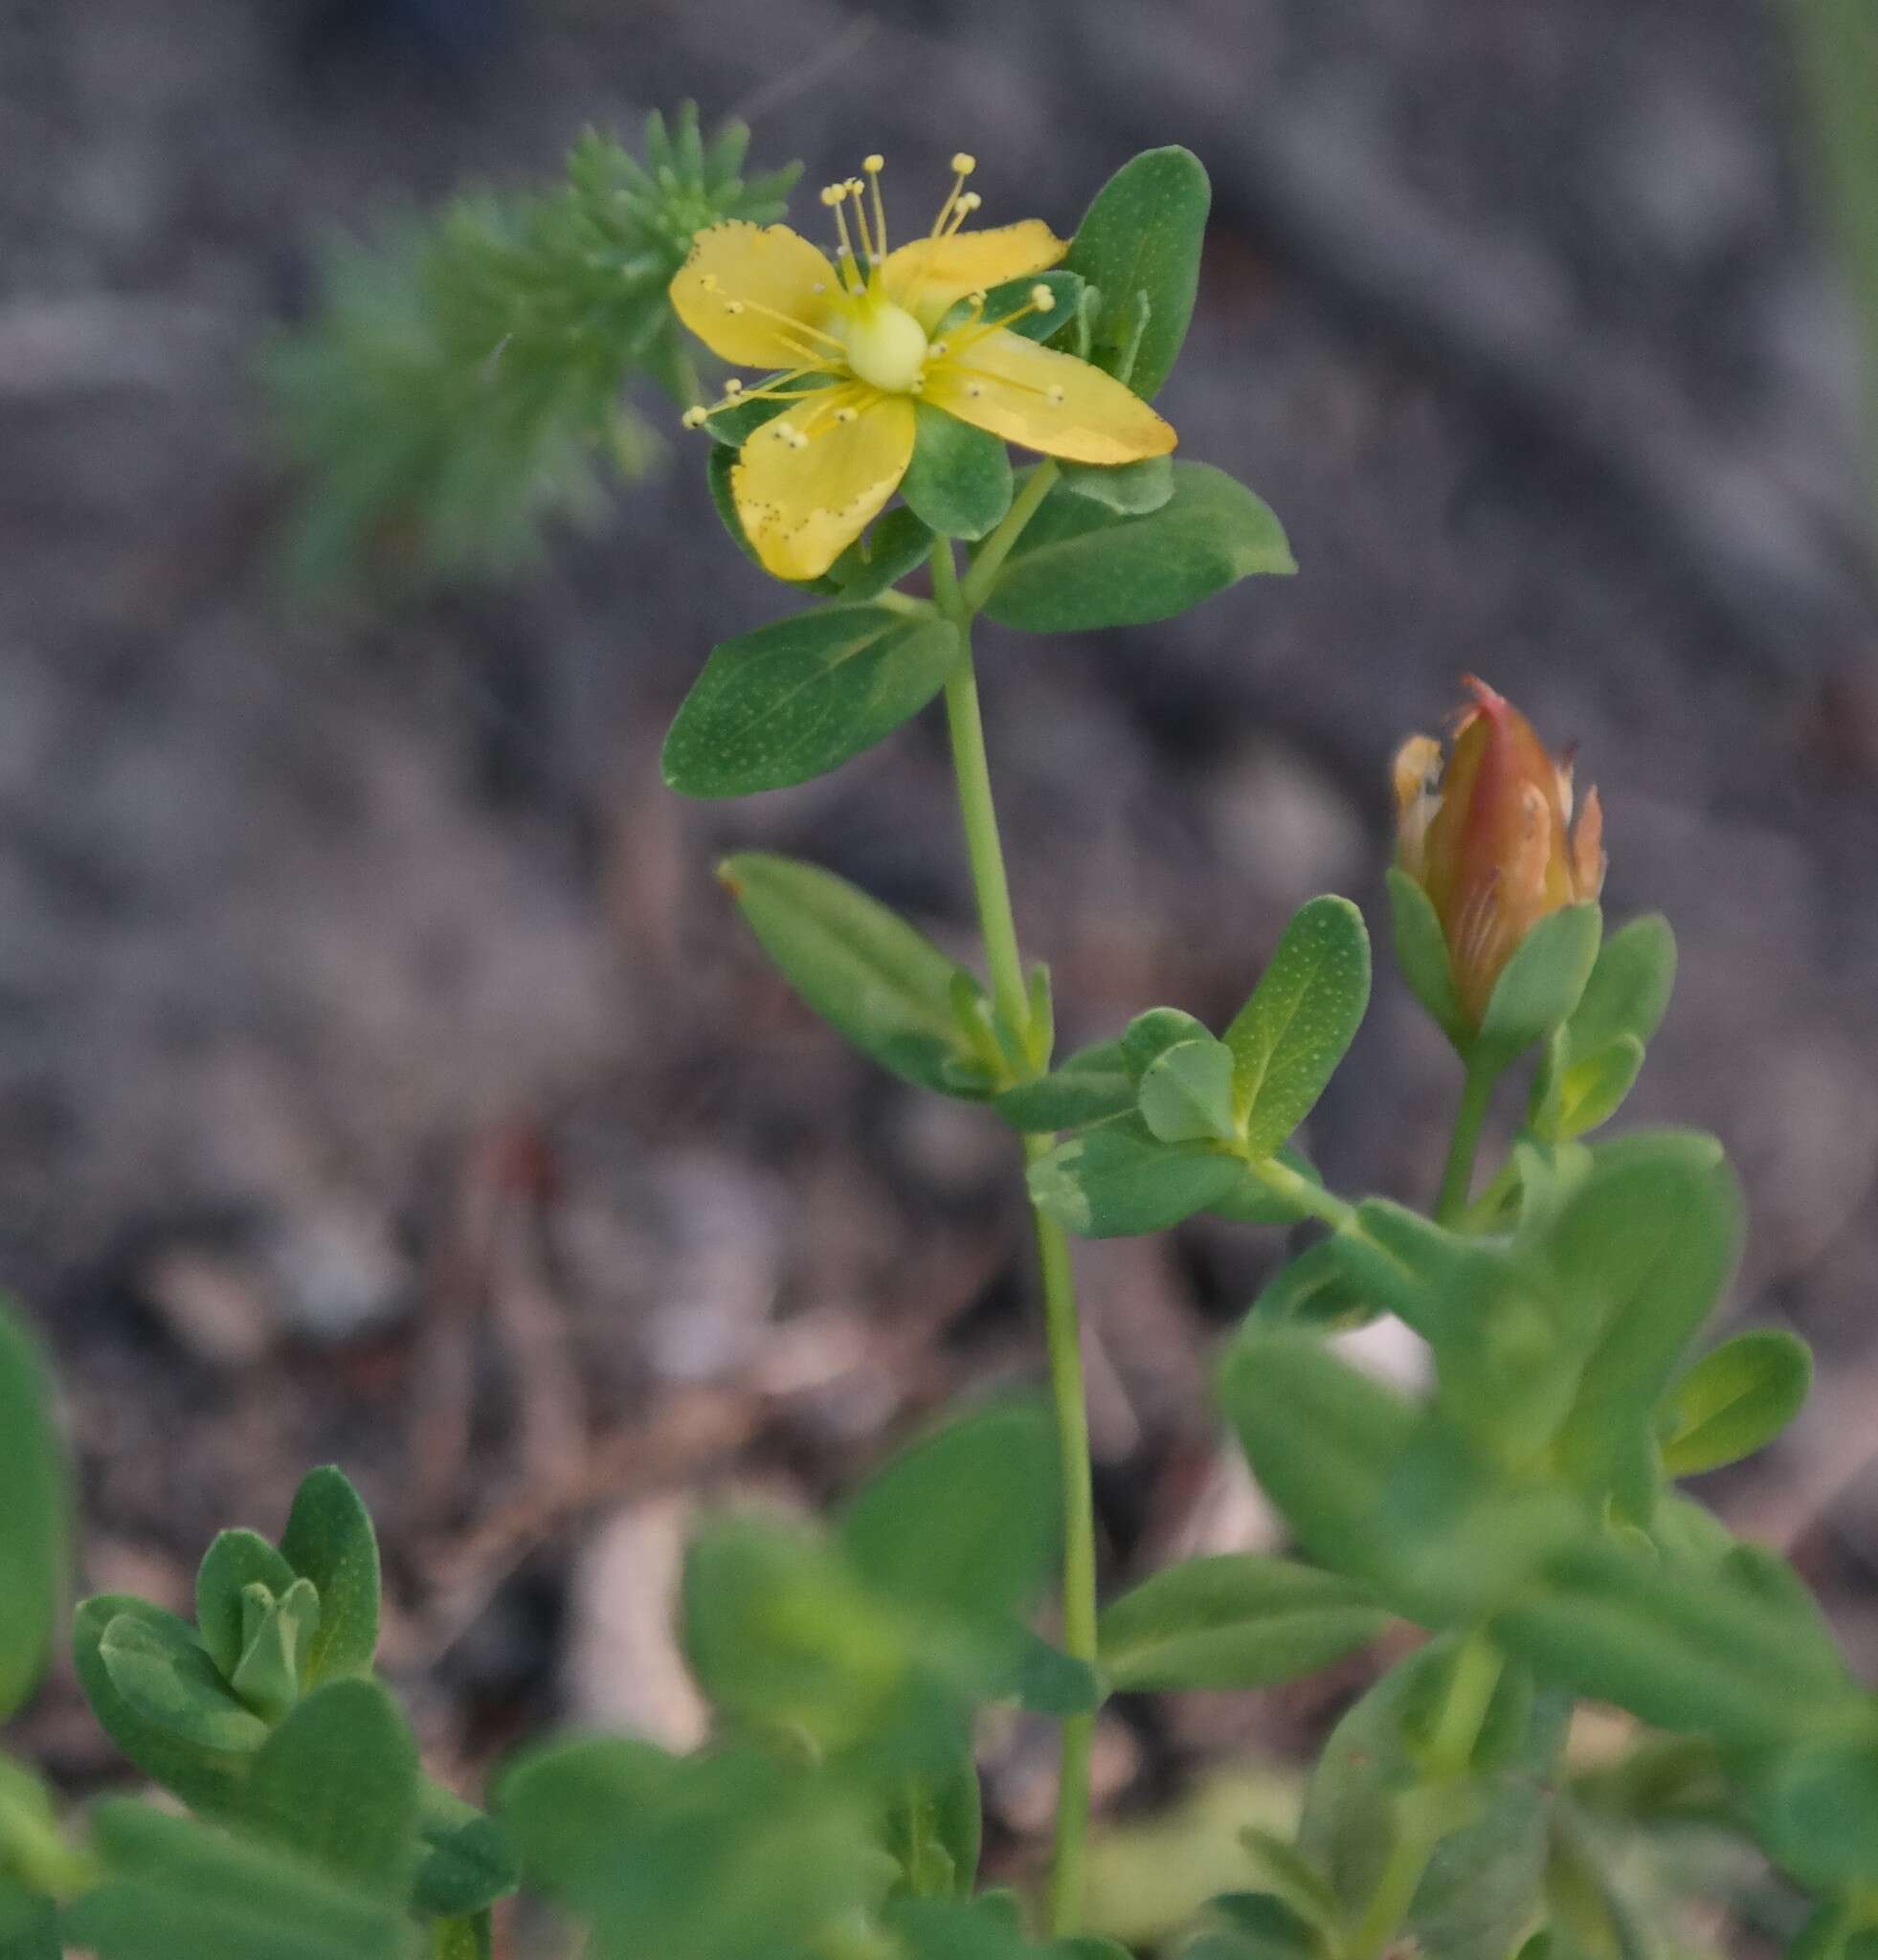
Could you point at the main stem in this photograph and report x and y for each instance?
(1061, 1329)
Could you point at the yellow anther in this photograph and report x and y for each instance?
(833, 193)
(964, 163)
(734, 305)
(846, 415)
(707, 282)
(693, 418)
(971, 201)
(733, 386)
(1055, 394)
(874, 162)
(1041, 297)
(939, 349)
(974, 388)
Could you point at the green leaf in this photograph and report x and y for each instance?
(267, 1676)
(206, 1779)
(234, 1561)
(1688, 1652)
(1314, 1290)
(883, 556)
(1817, 1808)
(157, 1665)
(1482, 1887)
(959, 480)
(1080, 566)
(572, 1806)
(1186, 1092)
(1264, 1927)
(28, 1924)
(1283, 1870)
(1735, 1400)
(1239, 1620)
(1637, 1259)
(177, 1890)
(337, 1783)
(1421, 953)
(1151, 1035)
(801, 696)
(463, 1861)
(863, 969)
(781, 1637)
(1118, 1178)
(1128, 489)
(1572, 1098)
(1629, 988)
(331, 1541)
(462, 1938)
(1288, 1039)
(963, 1522)
(1142, 234)
(934, 1828)
(1541, 983)
(31, 1513)
(1090, 1086)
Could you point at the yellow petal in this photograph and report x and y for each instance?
(757, 297)
(1046, 400)
(803, 501)
(927, 275)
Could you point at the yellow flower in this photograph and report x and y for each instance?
(1493, 845)
(856, 342)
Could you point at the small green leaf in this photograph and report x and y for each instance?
(1735, 1400)
(1264, 1927)
(958, 483)
(1186, 1092)
(1421, 954)
(1629, 988)
(1542, 983)
(267, 1676)
(1239, 1620)
(1150, 1035)
(1312, 1290)
(1090, 1086)
(862, 967)
(1142, 235)
(234, 1561)
(1816, 1807)
(1079, 566)
(801, 696)
(31, 1513)
(883, 556)
(784, 1638)
(1573, 1098)
(331, 1541)
(1284, 1870)
(963, 1522)
(1117, 1178)
(207, 1779)
(1128, 489)
(164, 1673)
(337, 1783)
(463, 1861)
(1288, 1039)
(28, 1924)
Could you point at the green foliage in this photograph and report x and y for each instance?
(1117, 1178)
(31, 1514)
(1288, 1039)
(1735, 1400)
(869, 974)
(1079, 564)
(1139, 247)
(1421, 954)
(1590, 1064)
(959, 482)
(1541, 985)
(798, 697)
(1090, 1084)
(463, 381)
(1237, 1620)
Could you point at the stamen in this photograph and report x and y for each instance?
(694, 418)
(874, 165)
(733, 386)
(1043, 299)
(861, 230)
(836, 196)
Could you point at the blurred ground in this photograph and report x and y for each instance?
(381, 1075)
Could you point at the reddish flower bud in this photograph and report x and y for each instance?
(1491, 841)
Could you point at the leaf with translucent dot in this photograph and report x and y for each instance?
(798, 697)
(1080, 565)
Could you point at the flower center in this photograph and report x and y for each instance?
(886, 346)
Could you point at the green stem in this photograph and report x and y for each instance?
(1282, 1180)
(1422, 1817)
(1079, 1595)
(978, 815)
(1475, 1096)
(997, 548)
